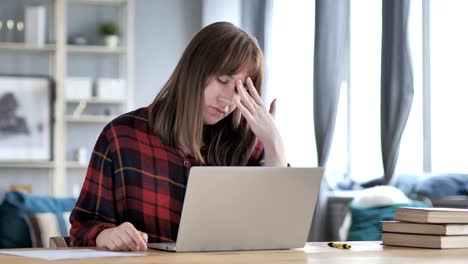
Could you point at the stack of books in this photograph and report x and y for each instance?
(427, 228)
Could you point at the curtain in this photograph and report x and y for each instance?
(396, 81)
(331, 68)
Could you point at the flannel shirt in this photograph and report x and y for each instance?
(133, 177)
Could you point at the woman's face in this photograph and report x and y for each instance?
(218, 97)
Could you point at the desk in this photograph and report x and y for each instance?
(362, 253)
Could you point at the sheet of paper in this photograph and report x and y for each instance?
(70, 254)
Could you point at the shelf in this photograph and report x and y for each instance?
(98, 2)
(95, 101)
(89, 119)
(95, 49)
(76, 165)
(26, 47)
(27, 165)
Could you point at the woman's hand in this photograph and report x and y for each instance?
(261, 121)
(124, 237)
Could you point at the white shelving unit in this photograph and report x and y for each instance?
(58, 54)
(27, 165)
(95, 101)
(76, 165)
(25, 47)
(89, 119)
(96, 49)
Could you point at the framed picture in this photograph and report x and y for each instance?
(25, 118)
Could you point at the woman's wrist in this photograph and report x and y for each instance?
(274, 154)
(102, 237)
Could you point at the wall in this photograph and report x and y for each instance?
(163, 29)
(221, 10)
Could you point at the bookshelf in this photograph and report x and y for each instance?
(68, 129)
(27, 165)
(25, 47)
(95, 49)
(89, 119)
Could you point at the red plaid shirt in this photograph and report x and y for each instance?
(133, 177)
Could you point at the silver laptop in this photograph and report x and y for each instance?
(246, 208)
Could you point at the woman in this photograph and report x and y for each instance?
(209, 113)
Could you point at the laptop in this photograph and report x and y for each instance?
(246, 208)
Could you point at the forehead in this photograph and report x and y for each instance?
(247, 71)
(240, 75)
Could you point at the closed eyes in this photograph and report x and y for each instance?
(221, 81)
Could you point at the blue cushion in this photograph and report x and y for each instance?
(14, 232)
(443, 185)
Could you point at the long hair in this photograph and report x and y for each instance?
(176, 114)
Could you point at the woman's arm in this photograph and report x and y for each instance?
(94, 210)
(94, 220)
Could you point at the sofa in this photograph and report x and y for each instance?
(29, 220)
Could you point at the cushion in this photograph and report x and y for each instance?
(443, 185)
(43, 226)
(14, 231)
(365, 221)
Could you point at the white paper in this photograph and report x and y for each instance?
(70, 254)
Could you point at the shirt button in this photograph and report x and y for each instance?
(186, 163)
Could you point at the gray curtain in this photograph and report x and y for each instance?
(396, 81)
(253, 19)
(331, 67)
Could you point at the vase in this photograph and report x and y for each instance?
(111, 41)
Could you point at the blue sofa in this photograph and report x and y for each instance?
(14, 230)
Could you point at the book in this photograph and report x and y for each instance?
(428, 229)
(432, 215)
(424, 241)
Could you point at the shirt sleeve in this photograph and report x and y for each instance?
(95, 208)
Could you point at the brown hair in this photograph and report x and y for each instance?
(176, 114)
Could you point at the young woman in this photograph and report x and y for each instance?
(209, 113)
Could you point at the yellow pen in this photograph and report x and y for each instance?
(339, 245)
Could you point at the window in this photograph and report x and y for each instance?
(289, 55)
(449, 91)
(356, 150)
(356, 147)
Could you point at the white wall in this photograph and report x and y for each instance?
(221, 10)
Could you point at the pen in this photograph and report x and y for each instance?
(339, 245)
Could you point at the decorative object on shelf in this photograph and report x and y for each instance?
(19, 31)
(110, 32)
(25, 118)
(79, 109)
(78, 40)
(35, 25)
(9, 30)
(107, 112)
(81, 155)
(78, 88)
(107, 88)
(1, 31)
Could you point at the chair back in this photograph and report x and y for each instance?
(59, 242)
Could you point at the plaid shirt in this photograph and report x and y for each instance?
(133, 177)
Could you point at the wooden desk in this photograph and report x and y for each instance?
(362, 253)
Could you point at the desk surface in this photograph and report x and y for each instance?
(362, 253)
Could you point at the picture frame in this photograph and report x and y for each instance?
(25, 118)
